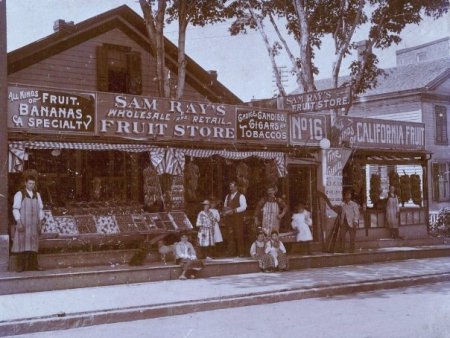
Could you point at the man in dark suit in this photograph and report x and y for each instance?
(233, 212)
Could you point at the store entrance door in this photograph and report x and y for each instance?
(302, 188)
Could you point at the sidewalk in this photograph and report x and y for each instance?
(62, 309)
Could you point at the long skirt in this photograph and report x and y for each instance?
(265, 261)
(280, 261)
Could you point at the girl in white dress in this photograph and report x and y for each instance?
(216, 215)
(301, 221)
(205, 223)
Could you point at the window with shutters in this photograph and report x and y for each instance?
(118, 69)
(441, 182)
(440, 113)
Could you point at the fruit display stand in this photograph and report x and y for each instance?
(90, 228)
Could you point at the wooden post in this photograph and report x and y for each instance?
(4, 237)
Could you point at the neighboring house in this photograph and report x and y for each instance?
(417, 90)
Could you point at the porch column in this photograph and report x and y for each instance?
(4, 238)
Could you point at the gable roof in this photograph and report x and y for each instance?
(417, 76)
(125, 19)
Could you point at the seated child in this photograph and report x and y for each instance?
(257, 251)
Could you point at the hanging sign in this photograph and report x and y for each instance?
(149, 118)
(50, 111)
(261, 126)
(318, 100)
(375, 133)
(334, 162)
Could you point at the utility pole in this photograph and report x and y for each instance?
(4, 237)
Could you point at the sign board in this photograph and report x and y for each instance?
(261, 126)
(375, 133)
(334, 162)
(307, 129)
(318, 100)
(149, 118)
(50, 111)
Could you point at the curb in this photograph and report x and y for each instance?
(63, 321)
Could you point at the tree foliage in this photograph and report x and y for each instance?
(309, 21)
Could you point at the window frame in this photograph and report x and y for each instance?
(132, 69)
(440, 177)
(441, 130)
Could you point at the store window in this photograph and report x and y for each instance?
(67, 176)
(441, 124)
(118, 69)
(441, 185)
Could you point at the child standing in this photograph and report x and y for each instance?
(216, 216)
(301, 221)
(205, 223)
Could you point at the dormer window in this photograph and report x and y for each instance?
(118, 69)
(421, 57)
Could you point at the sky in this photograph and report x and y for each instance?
(241, 61)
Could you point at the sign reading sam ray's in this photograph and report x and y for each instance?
(159, 118)
(256, 125)
(38, 110)
(375, 133)
(318, 100)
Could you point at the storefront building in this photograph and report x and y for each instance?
(115, 162)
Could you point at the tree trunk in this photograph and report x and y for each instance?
(155, 30)
(297, 69)
(342, 45)
(163, 73)
(305, 47)
(182, 25)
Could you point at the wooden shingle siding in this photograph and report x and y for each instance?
(384, 107)
(76, 68)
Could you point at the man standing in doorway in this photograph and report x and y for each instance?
(28, 213)
(234, 207)
(349, 220)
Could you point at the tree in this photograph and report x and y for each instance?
(154, 22)
(309, 21)
(194, 12)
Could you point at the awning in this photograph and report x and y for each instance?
(172, 160)
(79, 146)
(166, 160)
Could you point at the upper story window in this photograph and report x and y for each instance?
(118, 69)
(440, 113)
(422, 56)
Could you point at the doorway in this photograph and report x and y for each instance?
(302, 188)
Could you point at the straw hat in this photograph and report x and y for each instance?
(206, 202)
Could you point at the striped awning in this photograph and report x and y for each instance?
(166, 160)
(79, 146)
(16, 158)
(172, 160)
